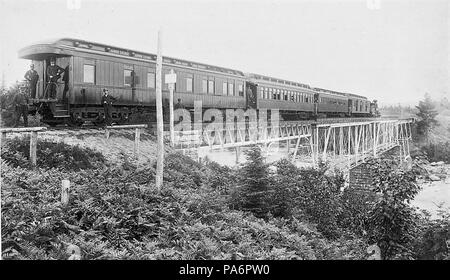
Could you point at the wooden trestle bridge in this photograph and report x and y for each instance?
(342, 144)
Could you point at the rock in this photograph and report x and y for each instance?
(433, 163)
(434, 177)
(420, 181)
(447, 180)
(440, 163)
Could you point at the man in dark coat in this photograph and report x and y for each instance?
(21, 106)
(53, 74)
(32, 77)
(107, 101)
(66, 82)
(179, 105)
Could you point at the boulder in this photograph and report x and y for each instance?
(440, 163)
(433, 163)
(434, 177)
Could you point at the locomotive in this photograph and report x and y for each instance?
(130, 77)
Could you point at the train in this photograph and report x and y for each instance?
(130, 77)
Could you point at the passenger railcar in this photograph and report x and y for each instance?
(293, 100)
(331, 103)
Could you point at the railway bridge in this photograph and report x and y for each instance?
(340, 143)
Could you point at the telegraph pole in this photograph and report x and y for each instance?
(159, 117)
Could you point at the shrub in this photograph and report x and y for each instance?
(251, 194)
(121, 216)
(308, 194)
(392, 221)
(437, 151)
(50, 154)
(432, 241)
(356, 206)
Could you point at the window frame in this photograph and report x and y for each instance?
(124, 77)
(191, 80)
(94, 74)
(154, 79)
(213, 87)
(231, 89)
(205, 86)
(224, 88)
(241, 89)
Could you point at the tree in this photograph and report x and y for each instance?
(252, 195)
(426, 114)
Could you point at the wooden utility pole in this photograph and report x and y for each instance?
(159, 117)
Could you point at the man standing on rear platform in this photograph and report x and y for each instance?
(53, 74)
(32, 77)
(21, 106)
(107, 101)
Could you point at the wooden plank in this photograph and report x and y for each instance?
(22, 129)
(126, 126)
(137, 140)
(3, 138)
(33, 146)
(65, 187)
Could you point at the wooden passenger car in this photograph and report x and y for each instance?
(291, 98)
(130, 77)
(332, 103)
(359, 105)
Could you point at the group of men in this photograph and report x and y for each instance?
(54, 72)
(21, 98)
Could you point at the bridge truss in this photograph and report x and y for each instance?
(342, 145)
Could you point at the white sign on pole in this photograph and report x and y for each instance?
(170, 78)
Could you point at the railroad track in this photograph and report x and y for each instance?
(152, 125)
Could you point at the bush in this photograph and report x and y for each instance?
(432, 240)
(437, 151)
(120, 215)
(307, 194)
(251, 194)
(392, 221)
(50, 155)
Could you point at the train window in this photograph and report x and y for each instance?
(89, 74)
(231, 89)
(241, 89)
(127, 77)
(189, 83)
(204, 86)
(210, 86)
(151, 80)
(224, 88)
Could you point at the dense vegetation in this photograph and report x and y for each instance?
(208, 211)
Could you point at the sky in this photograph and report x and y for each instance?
(393, 51)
